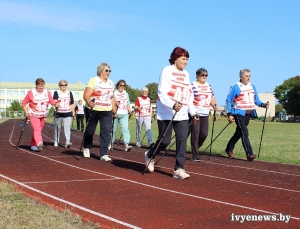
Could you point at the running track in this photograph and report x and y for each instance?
(116, 195)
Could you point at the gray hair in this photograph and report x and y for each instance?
(200, 71)
(144, 89)
(101, 67)
(243, 71)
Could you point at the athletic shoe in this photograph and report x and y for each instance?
(127, 149)
(251, 157)
(196, 157)
(150, 145)
(78, 130)
(34, 148)
(82, 130)
(105, 158)
(55, 144)
(230, 154)
(149, 162)
(180, 174)
(138, 144)
(68, 145)
(40, 146)
(86, 152)
(110, 148)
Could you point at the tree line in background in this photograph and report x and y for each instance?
(288, 95)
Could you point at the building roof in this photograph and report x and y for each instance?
(14, 85)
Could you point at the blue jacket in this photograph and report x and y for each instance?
(235, 92)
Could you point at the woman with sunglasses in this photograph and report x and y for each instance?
(64, 113)
(100, 106)
(123, 114)
(174, 103)
(35, 106)
(203, 99)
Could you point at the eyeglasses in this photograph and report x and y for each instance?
(107, 70)
(122, 85)
(63, 85)
(204, 75)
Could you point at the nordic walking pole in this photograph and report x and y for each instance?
(212, 132)
(122, 133)
(163, 136)
(52, 125)
(216, 137)
(86, 126)
(24, 120)
(170, 145)
(152, 120)
(262, 132)
(56, 118)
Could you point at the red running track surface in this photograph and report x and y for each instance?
(115, 194)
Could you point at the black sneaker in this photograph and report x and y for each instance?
(196, 157)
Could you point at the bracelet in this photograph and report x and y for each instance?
(114, 113)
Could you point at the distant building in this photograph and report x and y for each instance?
(11, 91)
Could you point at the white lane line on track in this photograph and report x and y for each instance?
(250, 168)
(232, 180)
(221, 178)
(67, 181)
(70, 203)
(155, 187)
(238, 166)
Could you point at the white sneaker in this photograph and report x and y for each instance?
(34, 148)
(110, 148)
(86, 152)
(68, 145)
(127, 149)
(55, 144)
(150, 164)
(105, 158)
(138, 144)
(181, 174)
(40, 146)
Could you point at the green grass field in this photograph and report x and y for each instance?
(280, 141)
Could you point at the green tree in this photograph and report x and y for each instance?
(278, 108)
(133, 93)
(152, 87)
(288, 95)
(15, 106)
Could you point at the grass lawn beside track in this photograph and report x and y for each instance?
(280, 142)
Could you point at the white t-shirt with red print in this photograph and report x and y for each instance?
(202, 97)
(174, 86)
(122, 101)
(145, 104)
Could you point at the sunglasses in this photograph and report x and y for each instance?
(107, 70)
(204, 75)
(122, 85)
(63, 85)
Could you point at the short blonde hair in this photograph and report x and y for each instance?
(101, 67)
(62, 82)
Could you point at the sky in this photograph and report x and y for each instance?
(68, 39)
